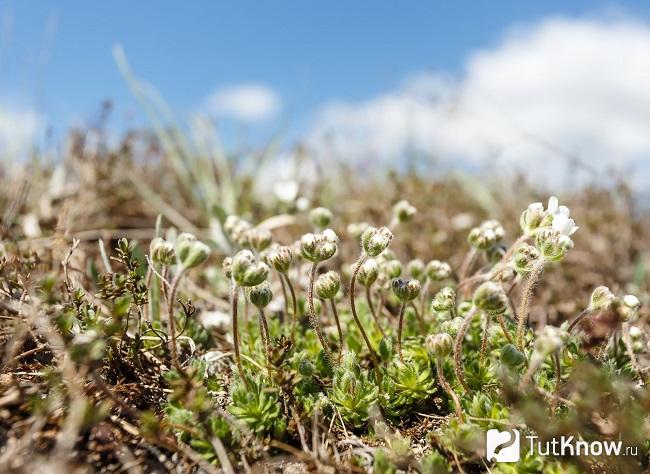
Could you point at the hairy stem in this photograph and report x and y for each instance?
(526, 296)
(313, 318)
(353, 307)
(266, 339)
(375, 316)
(578, 318)
(484, 337)
(171, 321)
(627, 341)
(234, 296)
(458, 348)
(467, 263)
(285, 298)
(294, 303)
(504, 328)
(338, 328)
(399, 332)
(448, 389)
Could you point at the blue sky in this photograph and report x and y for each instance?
(537, 86)
(55, 57)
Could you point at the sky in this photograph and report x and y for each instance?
(465, 80)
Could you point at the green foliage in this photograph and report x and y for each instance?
(353, 392)
(259, 407)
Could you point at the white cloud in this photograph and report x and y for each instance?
(18, 129)
(244, 102)
(561, 88)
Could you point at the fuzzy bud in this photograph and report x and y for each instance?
(238, 230)
(452, 326)
(511, 356)
(247, 271)
(260, 295)
(628, 308)
(524, 258)
(191, 252)
(533, 218)
(444, 300)
(319, 247)
(403, 211)
(356, 229)
(327, 285)
(438, 271)
(549, 339)
(601, 299)
(280, 259)
(553, 245)
(392, 268)
(162, 251)
(259, 239)
(320, 217)
(183, 245)
(415, 268)
(368, 272)
(486, 235)
(491, 298)
(406, 291)
(440, 345)
(374, 241)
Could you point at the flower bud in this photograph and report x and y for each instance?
(247, 271)
(374, 241)
(403, 211)
(259, 239)
(452, 326)
(486, 235)
(511, 356)
(532, 218)
(327, 285)
(238, 230)
(440, 345)
(549, 339)
(320, 217)
(601, 299)
(260, 295)
(356, 229)
(444, 300)
(464, 308)
(491, 298)
(553, 245)
(415, 268)
(392, 268)
(406, 291)
(628, 309)
(162, 251)
(437, 270)
(280, 259)
(183, 245)
(524, 258)
(319, 247)
(368, 272)
(190, 251)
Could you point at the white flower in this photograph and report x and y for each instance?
(555, 209)
(564, 224)
(286, 191)
(631, 302)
